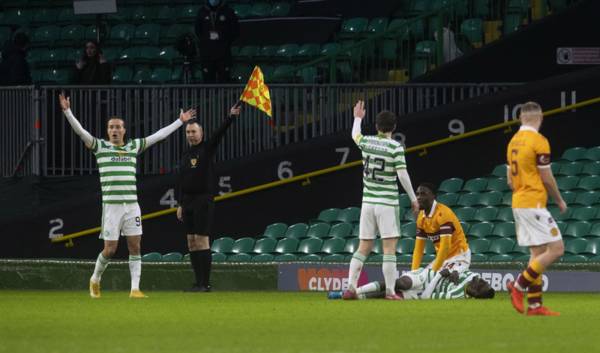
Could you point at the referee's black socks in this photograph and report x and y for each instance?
(205, 260)
(197, 266)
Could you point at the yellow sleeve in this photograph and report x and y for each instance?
(418, 253)
(442, 252)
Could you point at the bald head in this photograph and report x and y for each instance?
(531, 115)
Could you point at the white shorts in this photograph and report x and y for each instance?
(120, 219)
(535, 226)
(379, 219)
(460, 262)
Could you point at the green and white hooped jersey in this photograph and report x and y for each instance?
(448, 290)
(117, 167)
(382, 157)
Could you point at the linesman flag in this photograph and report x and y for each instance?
(256, 92)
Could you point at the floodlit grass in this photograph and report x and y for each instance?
(55, 321)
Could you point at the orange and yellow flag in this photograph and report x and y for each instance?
(256, 92)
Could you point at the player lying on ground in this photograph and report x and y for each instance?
(425, 283)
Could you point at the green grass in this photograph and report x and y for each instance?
(54, 321)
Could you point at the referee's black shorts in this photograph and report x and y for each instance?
(198, 213)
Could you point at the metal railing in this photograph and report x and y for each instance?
(300, 112)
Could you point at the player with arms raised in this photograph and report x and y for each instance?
(121, 213)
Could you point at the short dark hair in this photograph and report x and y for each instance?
(193, 122)
(115, 118)
(429, 186)
(385, 121)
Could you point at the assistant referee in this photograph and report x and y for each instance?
(196, 189)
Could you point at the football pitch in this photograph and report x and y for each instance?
(61, 321)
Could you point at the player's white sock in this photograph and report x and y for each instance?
(356, 265)
(101, 263)
(135, 269)
(389, 273)
(369, 288)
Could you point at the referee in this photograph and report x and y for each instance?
(196, 190)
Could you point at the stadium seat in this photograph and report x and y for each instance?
(589, 183)
(448, 199)
(333, 246)
(504, 230)
(586, 198)
(240, 73)
(123, 15)
(164, 15)
(286, 258)
(341, 230)
(173, 32)
(334, 258)
(511, 23)
(275, 230)
(507, 198)
(575, 246)
(572, 168)
(592, 154)
(147, 34)
(573, 258)
(219, 257)
(264, 245)
(486, 214)
(142, 74)
(451, 185)
(243, 245)
(351, 245)
(355, 230)
(263, 258)
(222, 245)
(57, 76)
(241, 10)
(574, 154)
(499, 171)
(405, 246)
(239, 258)
(593, 247)
(505, 214)
(595, 231)
(465, 214)
(501, 246)
(328, 215)
(501, 258)
(286, 245)
(297, 231)
(404, 258)
(318, 230)
(260, 9)
(472, 29)
(377, 247)
(408, 230)
(491, 198)
(585, 213)
(568, 196)
(309, 50)
(187, 13)
(471, 199)
(122, 74)
(172, 257)
(152, 257)
(377, 25)
(519, 250)
(143, 14)
(427, 259)
(479, 246)
(72, 35)
(404, 201)
(310, 246)
(280, 9)
(577, 229)
(429, 247)
(16, 17)
(308, 75)
(497, 184)
(555, 212)
(161, 75)
(168, 56)
(121, 34)
(45, 36)
(562, 226)
(310, 258)
(330, 49)
(566, 183)
(591, 168)
(349, 215)
(425, 49)
(354, 26)
(465, 226)
(481, 230)
(479, 258)
(375, 258)
(287, 51)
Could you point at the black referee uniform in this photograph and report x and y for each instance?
(196, 189)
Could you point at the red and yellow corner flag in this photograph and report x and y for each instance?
(256, 92)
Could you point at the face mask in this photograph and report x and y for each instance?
(214, 2)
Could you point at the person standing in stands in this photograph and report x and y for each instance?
(216, 28)
(195, 194)
(14, 69)
(92, 68)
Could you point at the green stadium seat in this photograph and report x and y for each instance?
(451, 185)
(318, 230)
(349, 215)
(354, 26)
(519, 250)
(562, 226)
(479, 246)
(240, 73)
(486, 214)
(505, 214)
(512, 23)
(351, 246)
(574, 258)
(499, 171)
(355, 230)
(330, 49)
(280, 9)
(48, 57)
(479, 258)
(142, 74)
(297, 231)
(595, 259)
(263, 258)
(404, 200)
(555, 212)
(465, 214)
(408, 230)
(518, 6)
(577, 229)
(375, 258)
(595, 231)
(264, 246)
(222, 245)
(241, 10)
(341, 230)
(572, 168)
(504, 230)
(475, 185)
(286, 258)
(472, 28)
(585, 213)
(465, 226)
(469, 199)
(164, 15)
(566, 183)
(427, 259)
(406, 215)
(589, 183)
(16, 17)
(310, 258)
(377, 247)
(334, 258)
(260, 9)
(574, 154)
(172, 257)
(591, 168)
(404, 258)
(327, 216)
(429, 247)
(123, 15)
(405, 246)
(152, 257)
(275, 230)
(168, 56)
(501, 246)
(239, 258)
(186, 13)
(593, 247)
(425, 49)
(491, 198)
(310, 246)
(309, 50)
(147, 34)
(91, 33)
(286, 245)
(219, 257)
(507, 198)
(268, 51)
(575, 246)
(283, 74)
(592, 154)
(121, 34)
(287, 51)
(568, 196)
(57, 76)
(586, 198)
(555, 166)
(122, 74)
(497, 184)
(161, 75)
(144, 14)
(308, 74)
(186, 258)
(448, 199)
(46, 36)
(333, 246)
(501, 258)
(418, 7)
(173, 32)
(243, 245)
(481, 230)
(72, 35)
(377, 25)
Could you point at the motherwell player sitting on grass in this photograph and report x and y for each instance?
(530, 178)
(439, 224)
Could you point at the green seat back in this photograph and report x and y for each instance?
(505, 214)
(222, 245)
(144, 14)
(121, 34)
(264, 245)
(504, 230)
(501, 246)
(310, 258)
(260, 9)
(575, 246)
(449, 199)
(592, 154)
(318, 230)
(586, 198)
(142, 74)
(351, 245)
(309, 50)
(239, 258)
(574, 154)
(243, 245)
(425, 49)
(512, 23)
(481, 230)
(122, 74)
(263, 258)
(591, 168)
(479, 246)
(275, 230)
(472, 28)
(329, 215)
(310, 246)
(501, 258)
(152, 257)
(378, 25)
(334, 258)
(590, 183)
(585, 213)
(572, 168)
(172, 257)
(280, 9)
(354, 26)
(469, 199)
(479, 258)
(593, 247)
(72, 34)
(286, 245)
(161, 74)
(349, 215)
(219, 257)
(577, 229)
(408, 230)
(405, 246)
(465, 214)
(147, 34)
(491, 198)
(497, 184)
(297, 231)
(341, 230)
(486, 214)
(286, 258)
(500, 171)
(333, 246)
(287, 51)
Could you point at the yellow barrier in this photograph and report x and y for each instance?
(306, 177)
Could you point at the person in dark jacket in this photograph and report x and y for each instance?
(92, 68)
(196, 189)
(14, 69)
(216, 28)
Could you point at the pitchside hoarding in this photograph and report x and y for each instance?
(321, 277)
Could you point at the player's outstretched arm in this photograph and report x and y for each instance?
(417, 253)
(86, 137)
(217, 136)
(163, 133)
(359, 114)
(550, 184)
(442, 252)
